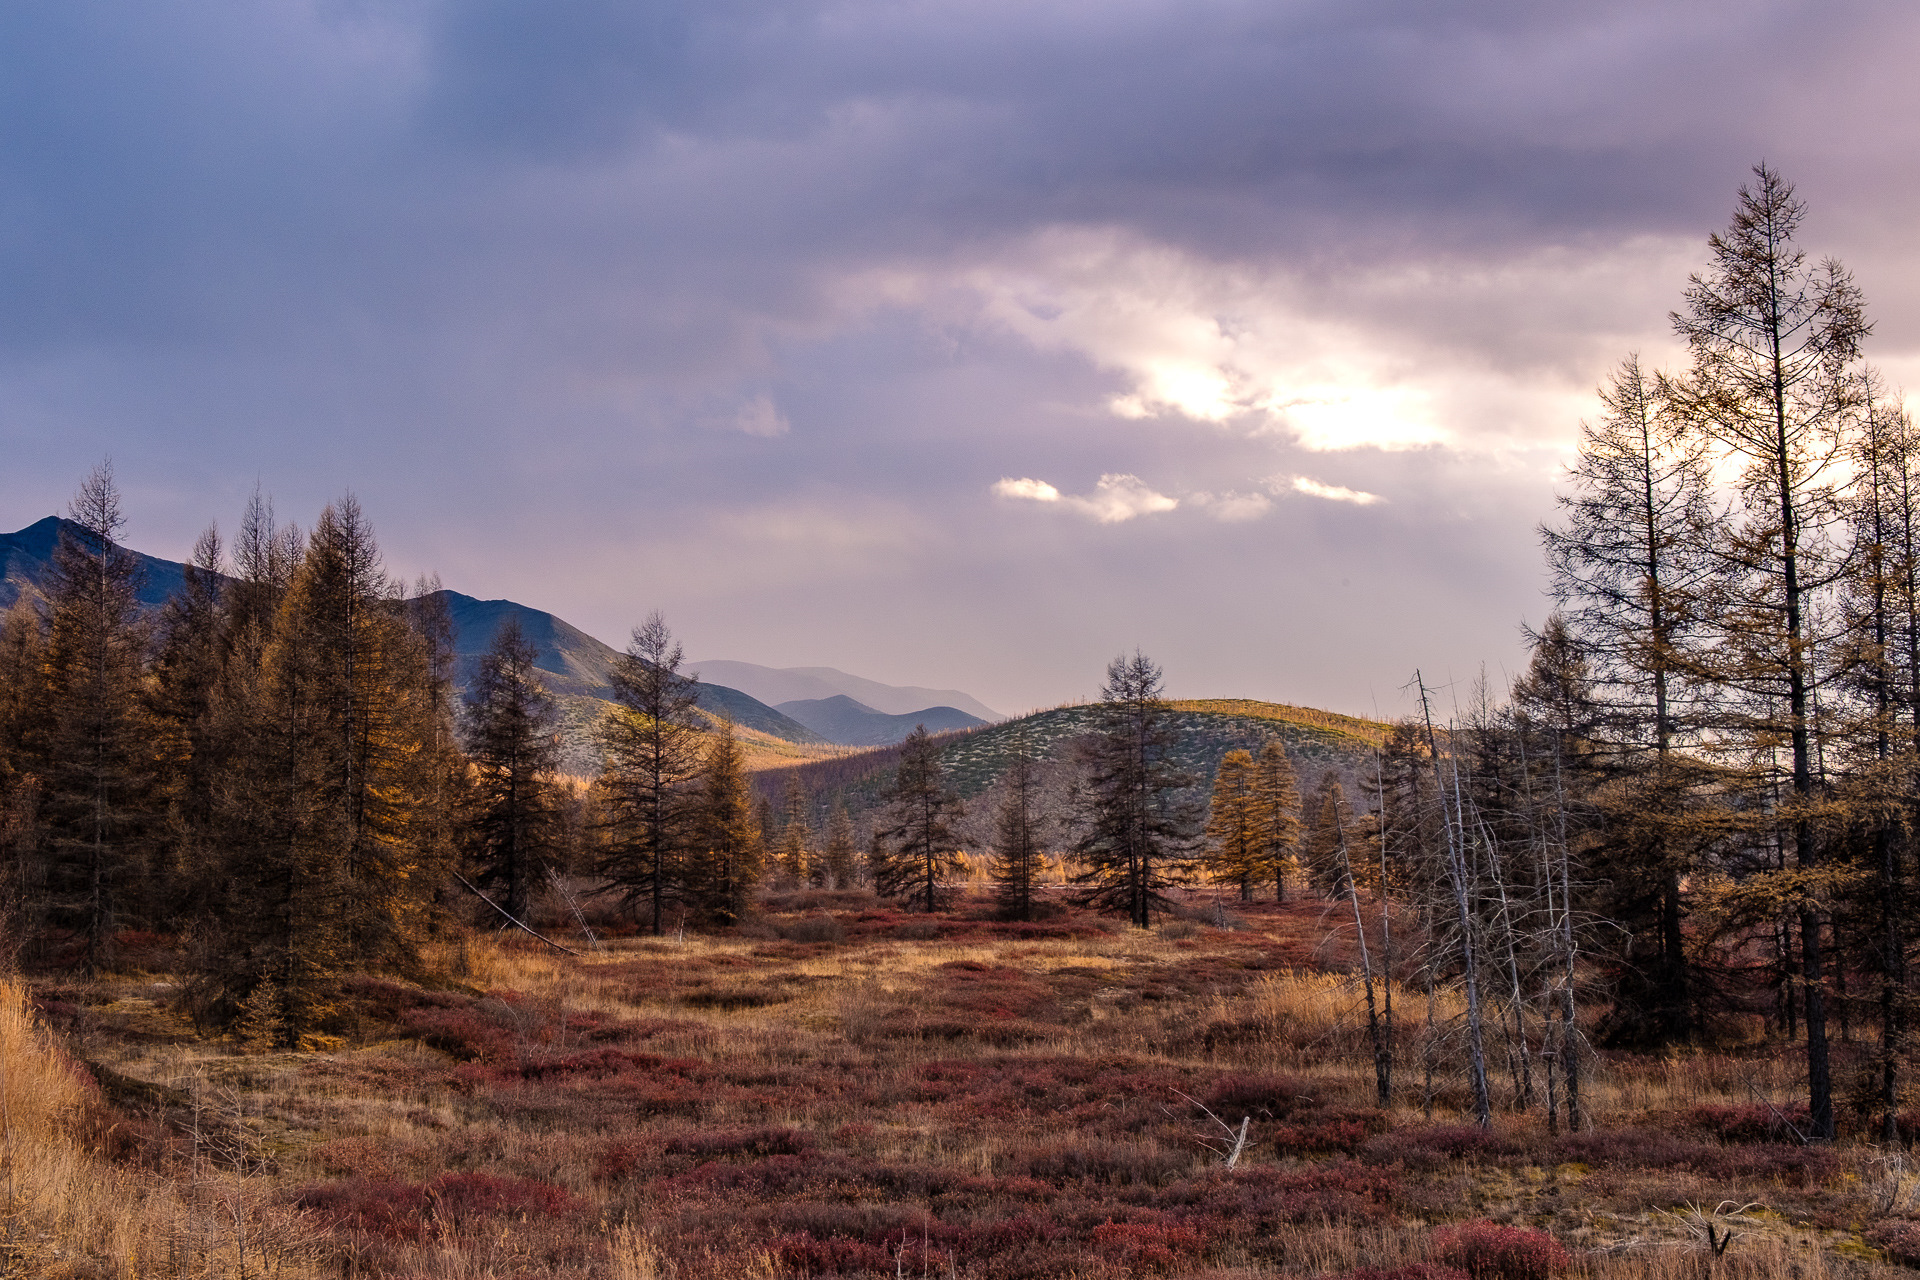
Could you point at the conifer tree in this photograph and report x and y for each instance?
(726, 857)
(513, 828)
(1773, 341)
(917, 840)
(1238, 825)
(1328, 863)
(187, 669)
(794, 858)
(1278, 791)
(1140, 832)
(1017, 853)
(842, 854)
(652, 744)
(323, 865)
(99, 819)
(22, 720)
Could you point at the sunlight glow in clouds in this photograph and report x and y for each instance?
(1334, 492)
(1116, 498)
(1472, 354)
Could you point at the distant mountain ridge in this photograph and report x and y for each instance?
(842, 720)
(26, 556)
(573, 664)
(576, 668)
(775, 685)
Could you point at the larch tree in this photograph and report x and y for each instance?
(652, 742)
(1018, 856)
(1237, 826)
(1278, 789)
(1630, 567)
(724, 838)
(1139, 828)
(794, 858)
(1882, 601)
(1329, 866)
(919, 851)
(842, 855)
(1773, 341)
(97, 759)
(191, 652)
(510, 735)
(323, 866)
(23, 671)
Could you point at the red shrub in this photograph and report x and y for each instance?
(714, 1143)
(403, 1210)
(1262, 1097)
(1757, 1123)
(1259, 1200)
(834, 1256)
(1488, 1251)
(1412, 1271)
(1146, 1246)
(1432, 1146)
(1900, 1238)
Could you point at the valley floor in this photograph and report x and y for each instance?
(850, 1090)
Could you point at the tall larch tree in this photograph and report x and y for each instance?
(842, 854)
(513, 827)
(1773, 341)
(1140, 830)
(1278, 789)
(920, 851)
(652, 743)
(1237, 826)
(97, 759)
(1631, 565)
(724, 837)
(1018, 854)
(1329, 835)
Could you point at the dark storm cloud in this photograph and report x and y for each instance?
(736, 303)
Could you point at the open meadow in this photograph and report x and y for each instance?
(843, 1089)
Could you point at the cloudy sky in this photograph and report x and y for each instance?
(950, 342)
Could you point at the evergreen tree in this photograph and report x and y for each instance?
(1632, 568)
(842, 854)
(1277, 792)
(323, 862)
(187, 668)
(1238, 825)
(22, 721)
(1328, 838)
(1773, 341)
(97, 759)
(1140, 832)
(794, 858)
(725, 841)
(652, 744)
(513, 828)
(1017, 855)
(917, 841)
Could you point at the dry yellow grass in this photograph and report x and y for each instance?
(69, 1213)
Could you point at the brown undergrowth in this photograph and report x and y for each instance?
(846, 1090)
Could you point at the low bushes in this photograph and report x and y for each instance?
(1488, 1251)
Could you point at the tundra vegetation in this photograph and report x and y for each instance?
(322, 969)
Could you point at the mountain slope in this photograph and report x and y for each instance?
(775, 685)
(842, 720)
(27, 556)
(575, 665)
(1204, 731)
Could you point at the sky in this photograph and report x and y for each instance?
(961, 343)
